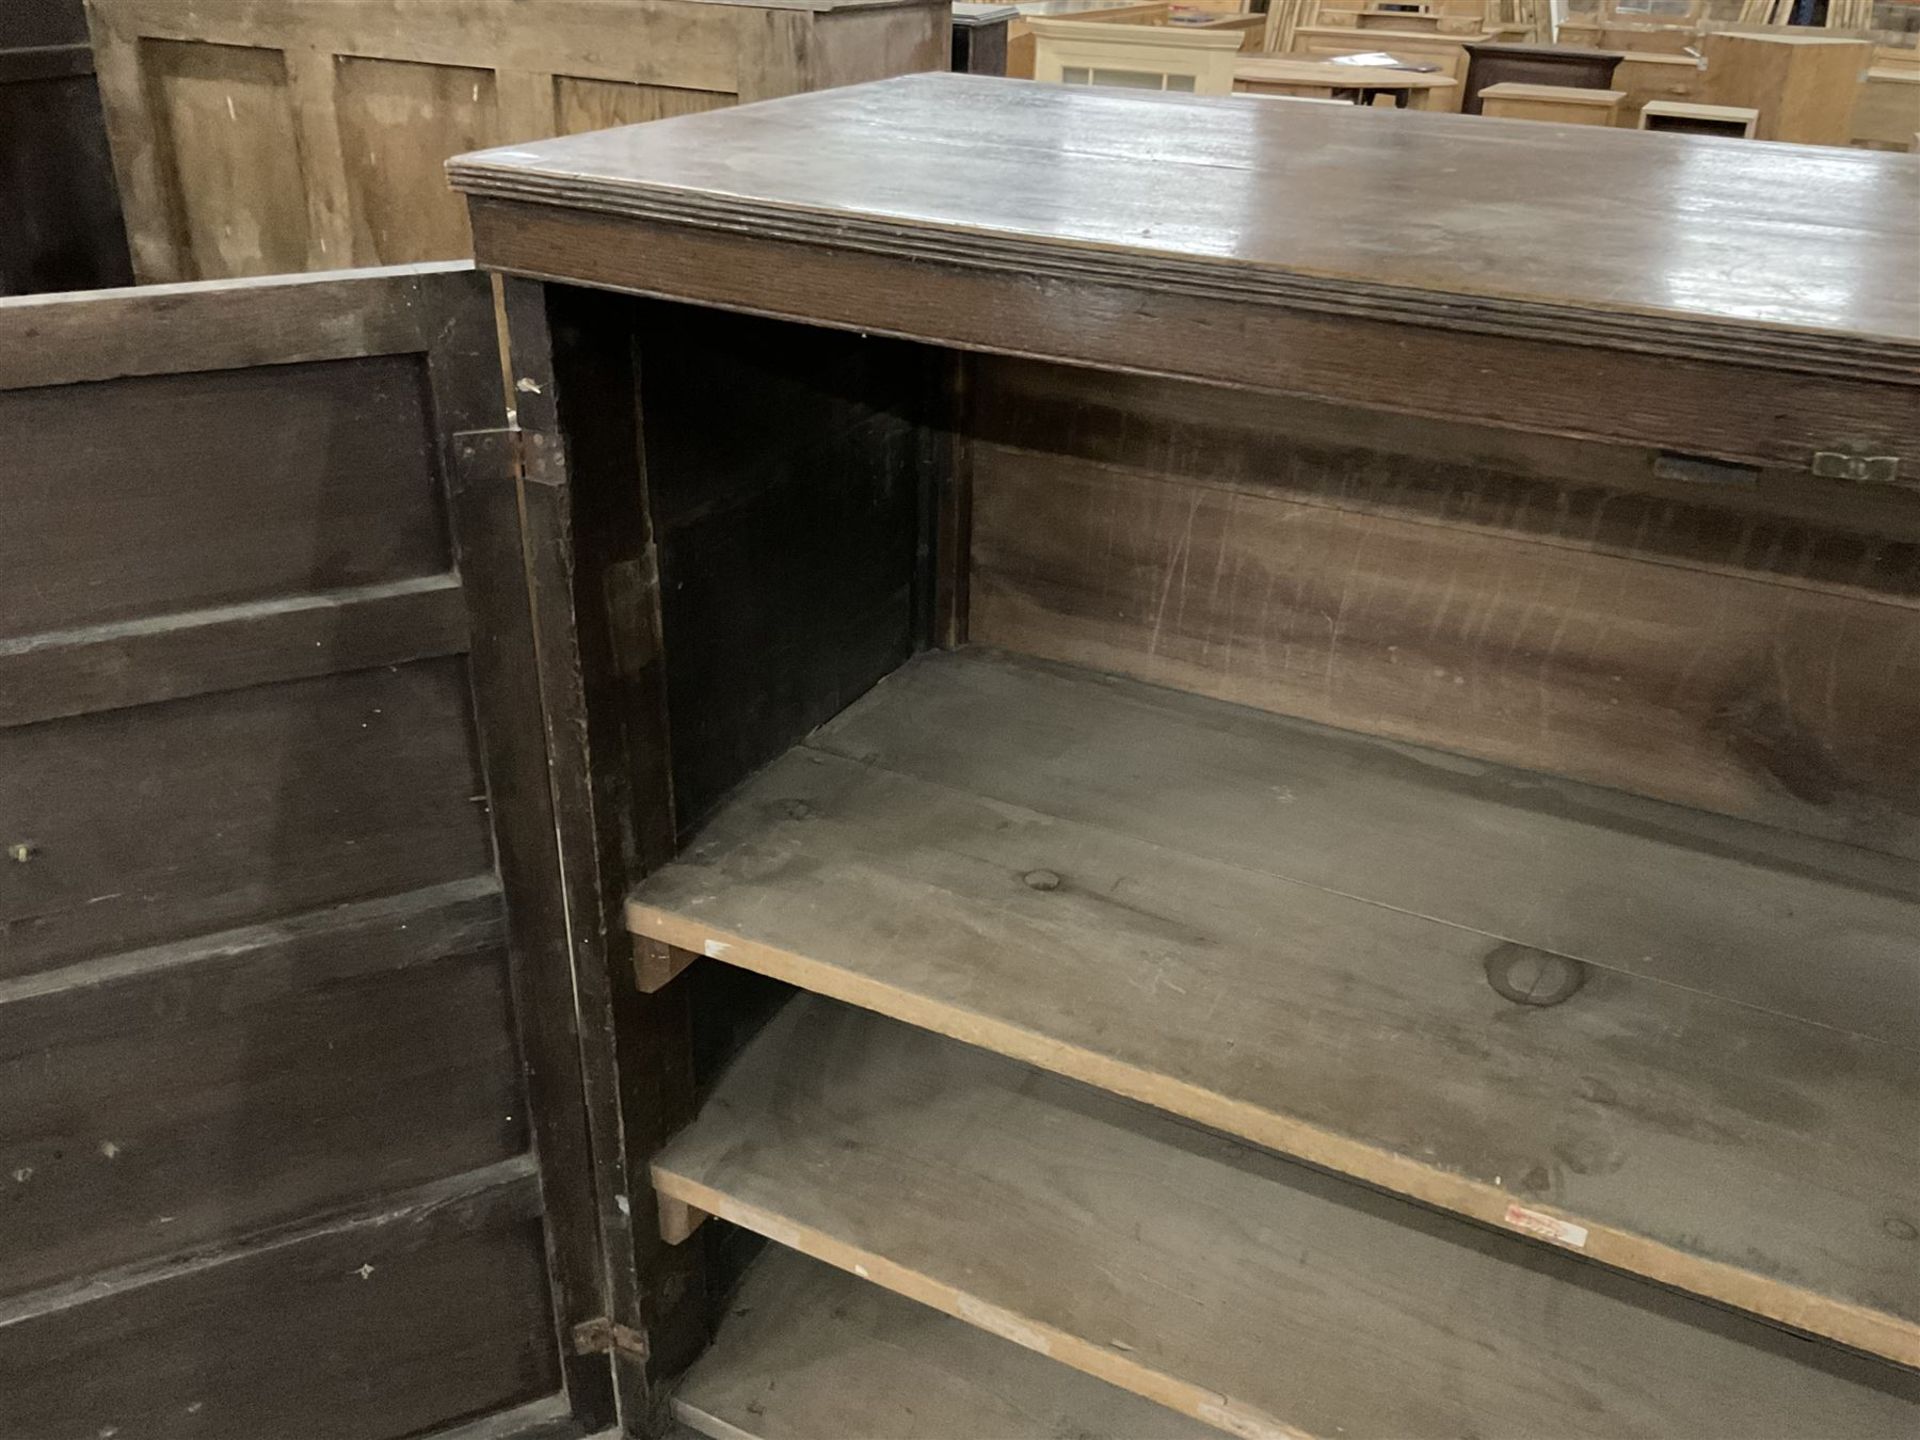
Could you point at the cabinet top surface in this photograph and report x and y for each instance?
(1608, 227)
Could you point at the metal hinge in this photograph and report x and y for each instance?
(1859, 469)
(480, 455)
(600, 1335)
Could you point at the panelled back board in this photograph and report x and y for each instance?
(254, 138)
(265, 1143)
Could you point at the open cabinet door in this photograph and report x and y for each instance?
(275, 1066)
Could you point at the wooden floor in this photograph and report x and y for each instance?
(808, 1352)
(1262, 1296)
(1284, 932)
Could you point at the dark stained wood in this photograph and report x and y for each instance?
(263, 1126)
(592, 574)
(236, 1082)
(1749, 411)
(1266, 1298)
(153, 824)
(485, 500)
(63, 229)
(140, 662)
(373, 1324)
(1276, 978)
(1784, 250)
(787, 536)
(273, 320)
(182, 492)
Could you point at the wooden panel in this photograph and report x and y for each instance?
(276, 320)
(139, 662)
(1757, 415)
(1181, 1265)
(787, 530)
(398, 124)
(900, 168)
(182, 492)
(222, 1085)
(1351, 1021)
(369, 1326)
(1721, 907)
(1804, 86)
(63, 229)
(603, 104)
(232, 156)
(227, 809)
(1784, 704)
(807, 1352)
(366, 100)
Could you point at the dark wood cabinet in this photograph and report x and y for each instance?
(1493, 64)
(1175, 778)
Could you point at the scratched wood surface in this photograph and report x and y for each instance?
(967, 169)
(1282, 932)
(1264, 1297)
(808, 1352)
(1538, 603)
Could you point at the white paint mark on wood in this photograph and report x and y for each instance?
(1547, 1227)
(716, 948)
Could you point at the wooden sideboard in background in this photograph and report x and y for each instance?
(256, 138)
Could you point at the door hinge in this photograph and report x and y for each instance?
(1859, 469)
(481, 455)
(600, 1336)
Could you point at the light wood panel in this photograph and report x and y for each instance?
(398, 122)
(1347, 1021)
(1803, 85)
(225, 119)
(808, 1352)
(1719, 690)
(253, 138)
(1265, 1298)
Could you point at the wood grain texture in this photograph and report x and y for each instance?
(272, 320)
(586, 104)
(233, 158)
(241, 485)
(377, 1323)
(485, 495)
(1790, 705)
(592, 579)
(242, 806)
(901, 168)
(141, 662)
(225, 1085)
(342, 112)
(1462, 365)
(807, 1352)
(786, 547)
(1343, 1019)
(1179, 1264)
(398, 122)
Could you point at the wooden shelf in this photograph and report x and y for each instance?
(808, 1352)
(1260, 1295)
(1284, 932)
